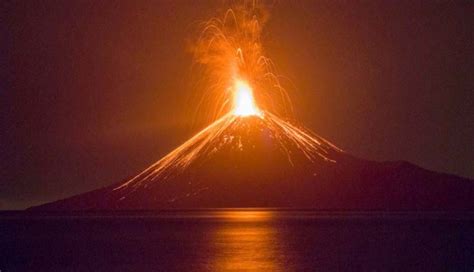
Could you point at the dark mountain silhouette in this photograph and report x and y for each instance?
(254, 162)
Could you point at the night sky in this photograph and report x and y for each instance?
(91, 92)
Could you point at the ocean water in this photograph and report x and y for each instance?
(236, 240)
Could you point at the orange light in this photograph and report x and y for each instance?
(244, 103)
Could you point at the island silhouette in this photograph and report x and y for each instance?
(255, 161)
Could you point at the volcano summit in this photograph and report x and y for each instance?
(263, 161)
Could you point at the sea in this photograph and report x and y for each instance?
(236, 240)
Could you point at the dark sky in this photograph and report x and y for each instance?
(93, 91)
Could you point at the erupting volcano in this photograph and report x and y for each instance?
(251, 156)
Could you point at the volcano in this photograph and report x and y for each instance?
(264, 161)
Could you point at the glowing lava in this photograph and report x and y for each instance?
(244, 103)
(231, 55)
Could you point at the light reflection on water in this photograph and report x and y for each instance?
(245, 215)
(248, 243)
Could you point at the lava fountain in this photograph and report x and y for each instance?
(244, 103)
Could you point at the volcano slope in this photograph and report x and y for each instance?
(267, 162)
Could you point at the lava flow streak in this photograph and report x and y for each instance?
(202, 144)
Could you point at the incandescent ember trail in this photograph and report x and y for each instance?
(229, 51)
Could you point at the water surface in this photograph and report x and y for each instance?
(236, 240)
